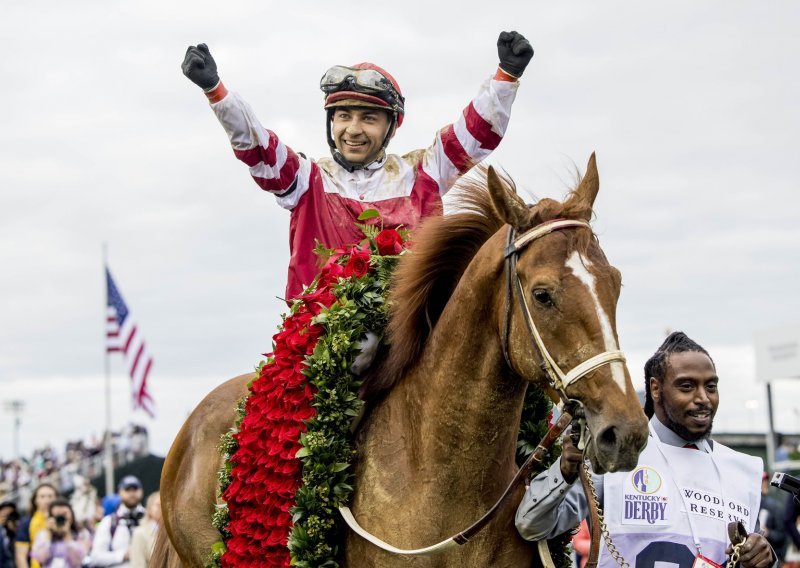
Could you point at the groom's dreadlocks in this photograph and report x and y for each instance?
(656, 366)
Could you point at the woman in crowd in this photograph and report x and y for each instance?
(61, 543)
(145, 534)
(32, 524)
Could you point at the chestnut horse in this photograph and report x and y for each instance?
(437, 446)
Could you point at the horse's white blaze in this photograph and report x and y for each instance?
(579, 265)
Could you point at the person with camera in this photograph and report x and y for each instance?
(61, 544)
(112, 539)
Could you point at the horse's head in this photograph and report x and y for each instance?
(560, 287)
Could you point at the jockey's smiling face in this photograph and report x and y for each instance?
(687, 398)
(359, 133)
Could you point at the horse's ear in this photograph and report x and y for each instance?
(586, 192)
(507, 203)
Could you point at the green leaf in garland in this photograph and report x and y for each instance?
(370, 231)
(369, 214)
(322, 252)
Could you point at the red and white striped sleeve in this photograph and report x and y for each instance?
(465, 143)
(274, 166)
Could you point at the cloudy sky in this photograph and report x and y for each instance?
(691, 107)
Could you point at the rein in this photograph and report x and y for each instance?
(464, 536)
(557, 379)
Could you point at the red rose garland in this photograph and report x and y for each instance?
(262, 475)
(265, 473)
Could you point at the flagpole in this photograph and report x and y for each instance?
(108, 458)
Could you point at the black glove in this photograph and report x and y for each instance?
(200, 67)
(514, 51)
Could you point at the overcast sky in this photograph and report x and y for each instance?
(691, 106)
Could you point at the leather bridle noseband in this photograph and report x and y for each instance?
(557, 379)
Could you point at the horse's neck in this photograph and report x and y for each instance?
(451, 424)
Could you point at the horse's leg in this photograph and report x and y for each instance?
(189, 477)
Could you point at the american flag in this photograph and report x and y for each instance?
(123, 336)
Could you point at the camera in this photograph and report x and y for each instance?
(60, 520)
(787, 483)
(131, 518)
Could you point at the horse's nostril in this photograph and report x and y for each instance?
(608, 438)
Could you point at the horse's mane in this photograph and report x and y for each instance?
(443, 247)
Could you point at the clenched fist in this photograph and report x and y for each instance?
(200, 67)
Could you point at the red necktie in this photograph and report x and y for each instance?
(691, 446)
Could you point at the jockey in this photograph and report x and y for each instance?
(364, 108)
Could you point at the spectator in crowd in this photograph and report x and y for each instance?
(8, 528)
(144, 535)
(782, 449)
(112, 539)
(62, 543)
(110, 503)
(770, 517)
(791, 524)
(32, 524)
(581, 542)
(18, 477)
(84, 503)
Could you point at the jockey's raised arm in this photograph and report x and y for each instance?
(364, 107)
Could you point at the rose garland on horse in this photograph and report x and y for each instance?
(437, 444)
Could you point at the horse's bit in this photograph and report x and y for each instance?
(556, 377)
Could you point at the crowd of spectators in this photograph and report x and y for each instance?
(51, 535)
(52, 516)
(79, 461)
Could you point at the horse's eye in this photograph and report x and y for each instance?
(542, 296)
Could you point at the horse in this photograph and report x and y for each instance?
(437, 444)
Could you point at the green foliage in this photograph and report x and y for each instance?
(327, 453)
(534, 423)
(537, 410)
(369, 214)
(560, 550)
(371, 231)
(217, 550)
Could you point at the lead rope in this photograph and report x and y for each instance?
(612, 549)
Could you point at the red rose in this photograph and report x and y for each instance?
(389, 242)
(331, 271)
(322, 296)
(358, 264)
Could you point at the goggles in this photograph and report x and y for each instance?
(368, 81)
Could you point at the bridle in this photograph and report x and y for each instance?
(557, 379)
